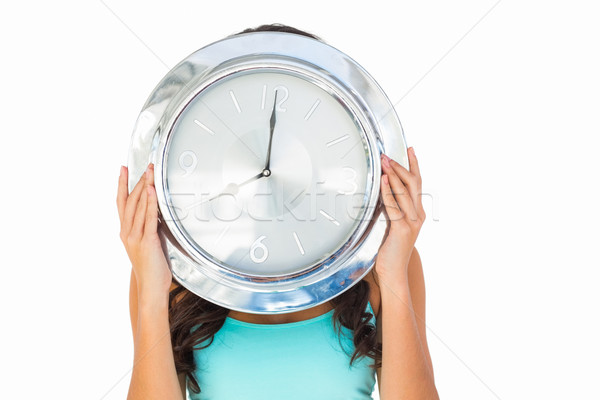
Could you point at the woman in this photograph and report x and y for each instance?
(181, 339)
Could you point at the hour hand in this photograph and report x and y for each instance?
(230, 189)
(272, 129)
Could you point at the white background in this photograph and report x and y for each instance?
(499, 98)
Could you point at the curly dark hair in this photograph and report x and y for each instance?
(194, 320)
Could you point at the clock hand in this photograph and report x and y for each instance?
(255, 177)
(272, 127)
(231, 188)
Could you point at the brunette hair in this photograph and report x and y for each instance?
(194, 320)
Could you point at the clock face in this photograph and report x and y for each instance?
(303, 208)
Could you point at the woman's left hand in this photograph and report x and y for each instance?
(401, 194)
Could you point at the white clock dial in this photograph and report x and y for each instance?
(309, 204)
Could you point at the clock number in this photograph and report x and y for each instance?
(350, 181)
(280, 102)
(188, 162)
(259, 245)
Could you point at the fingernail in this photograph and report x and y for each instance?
(386, 160)
(121, 171)
(385, 179)
(413, 151)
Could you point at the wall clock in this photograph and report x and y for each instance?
(267, 149)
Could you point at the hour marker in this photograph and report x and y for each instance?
(299, 244)
(312, 109)
(264, 97)
(201, 125)
(223, 232)
(237, 106)
(336, 141)
(329, 217)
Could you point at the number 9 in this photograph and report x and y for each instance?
(188, 169)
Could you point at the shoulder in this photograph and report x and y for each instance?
(415, 279)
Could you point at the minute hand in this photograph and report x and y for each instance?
(272, 126)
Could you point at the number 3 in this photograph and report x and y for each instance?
(350, 181)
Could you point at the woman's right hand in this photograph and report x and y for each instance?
(138, 213)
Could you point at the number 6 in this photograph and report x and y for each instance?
(259, 245)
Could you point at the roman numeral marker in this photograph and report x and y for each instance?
(338, 140)
(264, 97)
(222, 234)
(329, 217)
(298, 243)
(312, 109)
(235, 102)
(201, 125)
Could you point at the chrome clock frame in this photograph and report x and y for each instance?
(335, 72)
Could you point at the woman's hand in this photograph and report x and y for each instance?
(401, 194)
(138, 212)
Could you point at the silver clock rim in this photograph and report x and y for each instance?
(269, 50)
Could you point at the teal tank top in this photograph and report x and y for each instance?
(292, 361)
